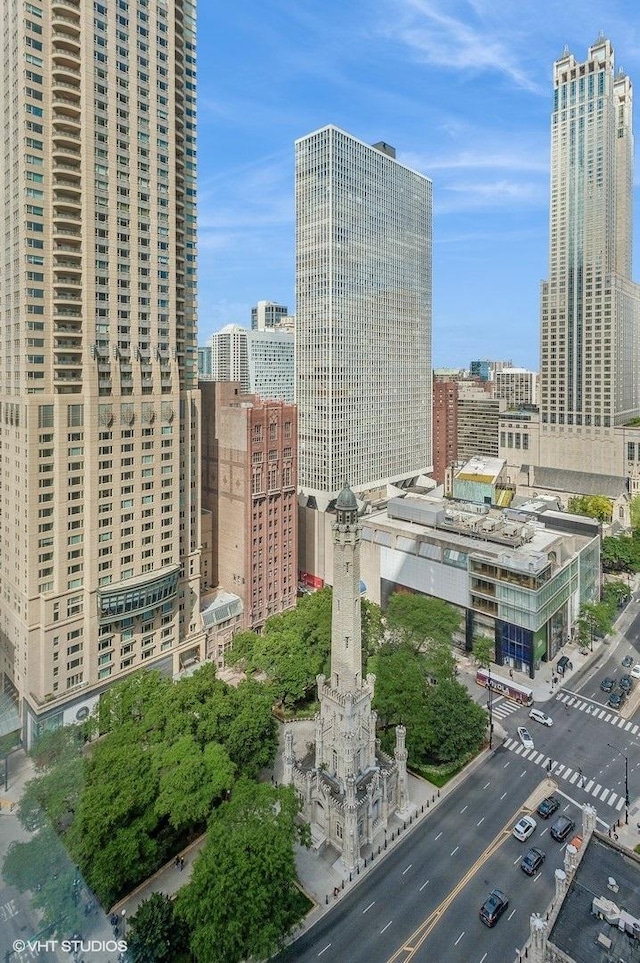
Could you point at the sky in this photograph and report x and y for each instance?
(461, 88)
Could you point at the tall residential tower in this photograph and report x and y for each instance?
(99, 408)
(590, 307)
(363, 315)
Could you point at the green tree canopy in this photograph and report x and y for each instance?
(483, 650)
(456, 723)
(155, 934)
(420, 618)
(595, 506)
(242, 899)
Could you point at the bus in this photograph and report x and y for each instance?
(506, 687)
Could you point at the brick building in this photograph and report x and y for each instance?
(249, 470)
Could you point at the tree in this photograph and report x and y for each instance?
(456, 723)
(154, 934)
(242, 899)
(483, 651)
(290, 664)
(400, 696)
(372, 628)
(241, 651)
(634, 511)
(594, 506)
(440, 661)
(418, 618)
(191, 781)
(54, 746)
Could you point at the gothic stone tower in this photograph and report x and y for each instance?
(349, 788)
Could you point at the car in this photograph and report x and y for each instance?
(635, 672)
(532, 861)
(626, 683)
(525, 738)
(548, 806)
(607, 684)
(541, 717)
(562, 827)
(616, 700)
(524, 827)
(627, 662)
(493, 907)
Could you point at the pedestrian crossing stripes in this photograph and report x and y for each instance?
(574, 777)
(598, 712)
(500, 710)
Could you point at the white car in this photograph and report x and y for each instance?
(524, 827)
(635, 672)
(525, 738)
(541, 716)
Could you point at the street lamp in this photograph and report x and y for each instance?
(626, 782)
(490, 707)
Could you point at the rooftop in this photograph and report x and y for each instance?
(581, 934)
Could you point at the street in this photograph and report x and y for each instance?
(423, 900)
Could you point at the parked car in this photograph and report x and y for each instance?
(532, 861)
(548, 806)
(635, 672)
(607, 684)
(626, 683)
(627, 662)
(562, 827)
(525, 738)
(524, 828)
(539, 716)
(616, 700)
(493, 907)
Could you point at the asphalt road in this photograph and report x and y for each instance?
(422, 902)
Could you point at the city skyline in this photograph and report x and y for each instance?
(463, 93)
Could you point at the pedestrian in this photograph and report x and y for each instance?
(511, 673)
(176, 862)
(181, 863)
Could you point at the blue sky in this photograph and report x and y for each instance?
(461, 88)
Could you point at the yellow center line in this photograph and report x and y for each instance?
(413, 943)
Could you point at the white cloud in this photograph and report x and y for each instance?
(439, 38)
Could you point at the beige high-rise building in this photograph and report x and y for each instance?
(590, 314)
(99, 407)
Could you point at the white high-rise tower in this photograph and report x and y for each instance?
(363, 315)
(590, 311)
(99, 407)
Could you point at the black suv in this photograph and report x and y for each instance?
(616, 699)
(562, 827)
(494, 906)
(532, 861)
(548, 806)
(607, 684)
(626, 683)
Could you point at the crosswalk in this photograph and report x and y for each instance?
(504, 708)
(572, 777)
(598, 712)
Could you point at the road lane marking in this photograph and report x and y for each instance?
(511, 914)
(574, 778)
(408, 949)
(459, 938)
(596, 791)
(407, 869)
(324, 950)
(523, 773)
(386, 927)
(545, 830)
(483, 958)
(455, 851)
(502, 796)
(587, 788)
(463, 810)
(537, 877)
(438, 836)
(605, 794)
(423, 885)
(515, 863)
(507, 763)
(368, 908)
(487, 784)
(480, 821)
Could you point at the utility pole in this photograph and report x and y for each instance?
(490, 708)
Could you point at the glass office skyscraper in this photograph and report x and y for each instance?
(363, 314)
